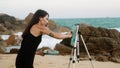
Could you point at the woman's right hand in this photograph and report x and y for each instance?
(40, 52)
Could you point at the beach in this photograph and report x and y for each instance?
(54, 61)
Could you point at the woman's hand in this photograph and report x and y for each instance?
(69, 34)
(40, 52)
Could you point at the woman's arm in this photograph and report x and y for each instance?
(49, 32)
(60, 36)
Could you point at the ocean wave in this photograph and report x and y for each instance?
(118, 29)
(4, 37)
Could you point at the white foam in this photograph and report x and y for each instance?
(18, 33)
(117, 29)
(48, 41)
(4, 37)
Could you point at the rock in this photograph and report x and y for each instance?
(52, 25)
(2, 47)
(101, 58)
(14, 51)
(114, 59)
(66, 42)
(2, 50)
(9, 23)
(63, 50)
(8, 18)
(11, 40)
(28, 18)
(2, 28)
(63, 29)
(14, 40)
(102, 41)
(115, 53)
(1, 38)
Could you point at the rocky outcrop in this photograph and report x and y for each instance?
(28, 18)
(63, 50)
(2, 28)
(54, 27)
(2, 46)
(14, 40)
(101, 38)
(9, 23)
(102, 43)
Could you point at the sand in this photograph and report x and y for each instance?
(54, 61)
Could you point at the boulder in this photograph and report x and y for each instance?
(9, 23)
(63, 50)
(14, 40)
(2, 28)
(28, 18)
(2, 47)
(102, 43)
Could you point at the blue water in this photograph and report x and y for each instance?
(96, 22)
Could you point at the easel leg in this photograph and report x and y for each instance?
(70, 58)
(87, 51)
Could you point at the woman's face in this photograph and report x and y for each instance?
(44, 20)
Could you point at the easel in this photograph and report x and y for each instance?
(75, 54)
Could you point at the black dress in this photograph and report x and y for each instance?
(25, 57)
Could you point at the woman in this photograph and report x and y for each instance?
(32, 37)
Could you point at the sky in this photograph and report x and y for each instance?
(62, 8)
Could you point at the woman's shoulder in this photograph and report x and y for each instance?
(41, 29)
(35, 30)
(38, 27)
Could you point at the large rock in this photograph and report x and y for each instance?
(101, 38)
(53, 26)
(14, 40)
(28, 18)
(102, 43)
(2, 46)
(2, 28)
(63, 50)
(9, 23)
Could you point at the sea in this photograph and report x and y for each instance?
(108, 22)
(47, 41)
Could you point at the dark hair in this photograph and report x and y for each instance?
(35, 19)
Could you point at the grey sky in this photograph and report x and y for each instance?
(62, 8)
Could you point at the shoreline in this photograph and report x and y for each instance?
(54, 61)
